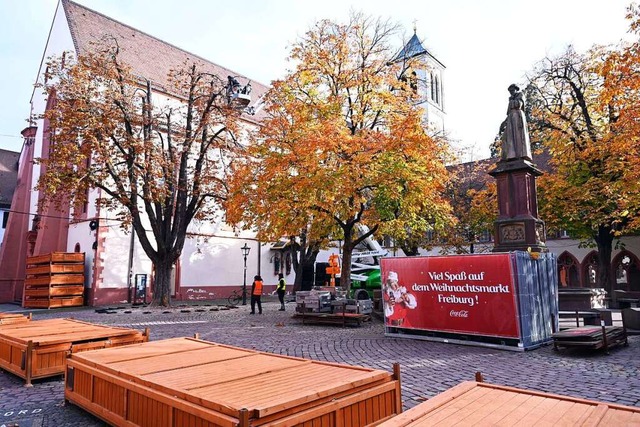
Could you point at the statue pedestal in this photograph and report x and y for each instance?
(517, 226)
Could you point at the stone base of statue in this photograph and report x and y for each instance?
(518, 227)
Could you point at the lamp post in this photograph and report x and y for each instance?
(245, 252)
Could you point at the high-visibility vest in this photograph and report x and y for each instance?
(257, 289)
(282, 285)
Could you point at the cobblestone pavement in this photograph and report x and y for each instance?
(428, 368)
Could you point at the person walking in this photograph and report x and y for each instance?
(280, 289)
(256, 294)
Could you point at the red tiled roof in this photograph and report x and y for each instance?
(149, 57)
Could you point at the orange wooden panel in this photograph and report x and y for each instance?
(198, 359)
(53, 331)
(55, 269)
(225, 379)
(482, 404)
(142, 352)
(57, 279)
(59, 257)
(271, 392)
(615, 417)
(54, 291)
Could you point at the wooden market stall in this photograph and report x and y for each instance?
(38, 348)
(482, 404)
(189, 382)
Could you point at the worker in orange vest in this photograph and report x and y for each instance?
(256, 294)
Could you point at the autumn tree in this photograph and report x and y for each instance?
(344, 144)
(578, 116)
(472, 194)
(158, 160)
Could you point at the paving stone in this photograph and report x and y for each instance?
(427, 368)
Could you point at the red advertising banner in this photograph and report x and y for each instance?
(466, 294)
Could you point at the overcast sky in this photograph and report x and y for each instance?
(485, 45)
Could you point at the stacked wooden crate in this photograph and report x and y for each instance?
(54, 280)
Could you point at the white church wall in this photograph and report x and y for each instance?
(59, 41)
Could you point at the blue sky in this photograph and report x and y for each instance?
(485, 45)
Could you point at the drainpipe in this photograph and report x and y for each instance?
(130, 266)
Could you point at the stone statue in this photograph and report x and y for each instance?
(515, 143)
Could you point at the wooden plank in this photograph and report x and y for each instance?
(52, 302)
(511, 402)
(458, 409)
(167, 363)
(274, 391)
(492, 402)
(59, 257)
(13, 318)
(57, 279)
(617, 417)
(55, 269)
(54, 291)
(141, 352)
(53, 331)
(432, 404)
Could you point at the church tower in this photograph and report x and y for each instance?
(429, 83)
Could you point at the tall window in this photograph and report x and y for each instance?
(568, 276)
(627, 270)
(5, 218)
(590, 270)
(437, 90)
(433, 87)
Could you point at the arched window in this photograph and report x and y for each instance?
(76, 249)
(568, 271)
(590, 270)
(626, 267)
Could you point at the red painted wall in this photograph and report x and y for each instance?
(14, 248)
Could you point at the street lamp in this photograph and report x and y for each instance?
(245, 252)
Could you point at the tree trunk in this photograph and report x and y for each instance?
(162, 283)
(347, 251)
(604, 240)
(307, 258)
(410, 249)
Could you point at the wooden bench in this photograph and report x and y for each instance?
(473, 403)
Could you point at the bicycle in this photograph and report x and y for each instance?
(235, 297)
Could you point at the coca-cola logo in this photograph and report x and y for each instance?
(458, 313)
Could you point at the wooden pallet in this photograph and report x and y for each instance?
(343, 319)
(471, 403)
(189, 382)
(54, 280)
(38, 349)
(591, 337)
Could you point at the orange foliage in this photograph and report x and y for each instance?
(158, 158)
(343, 145)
